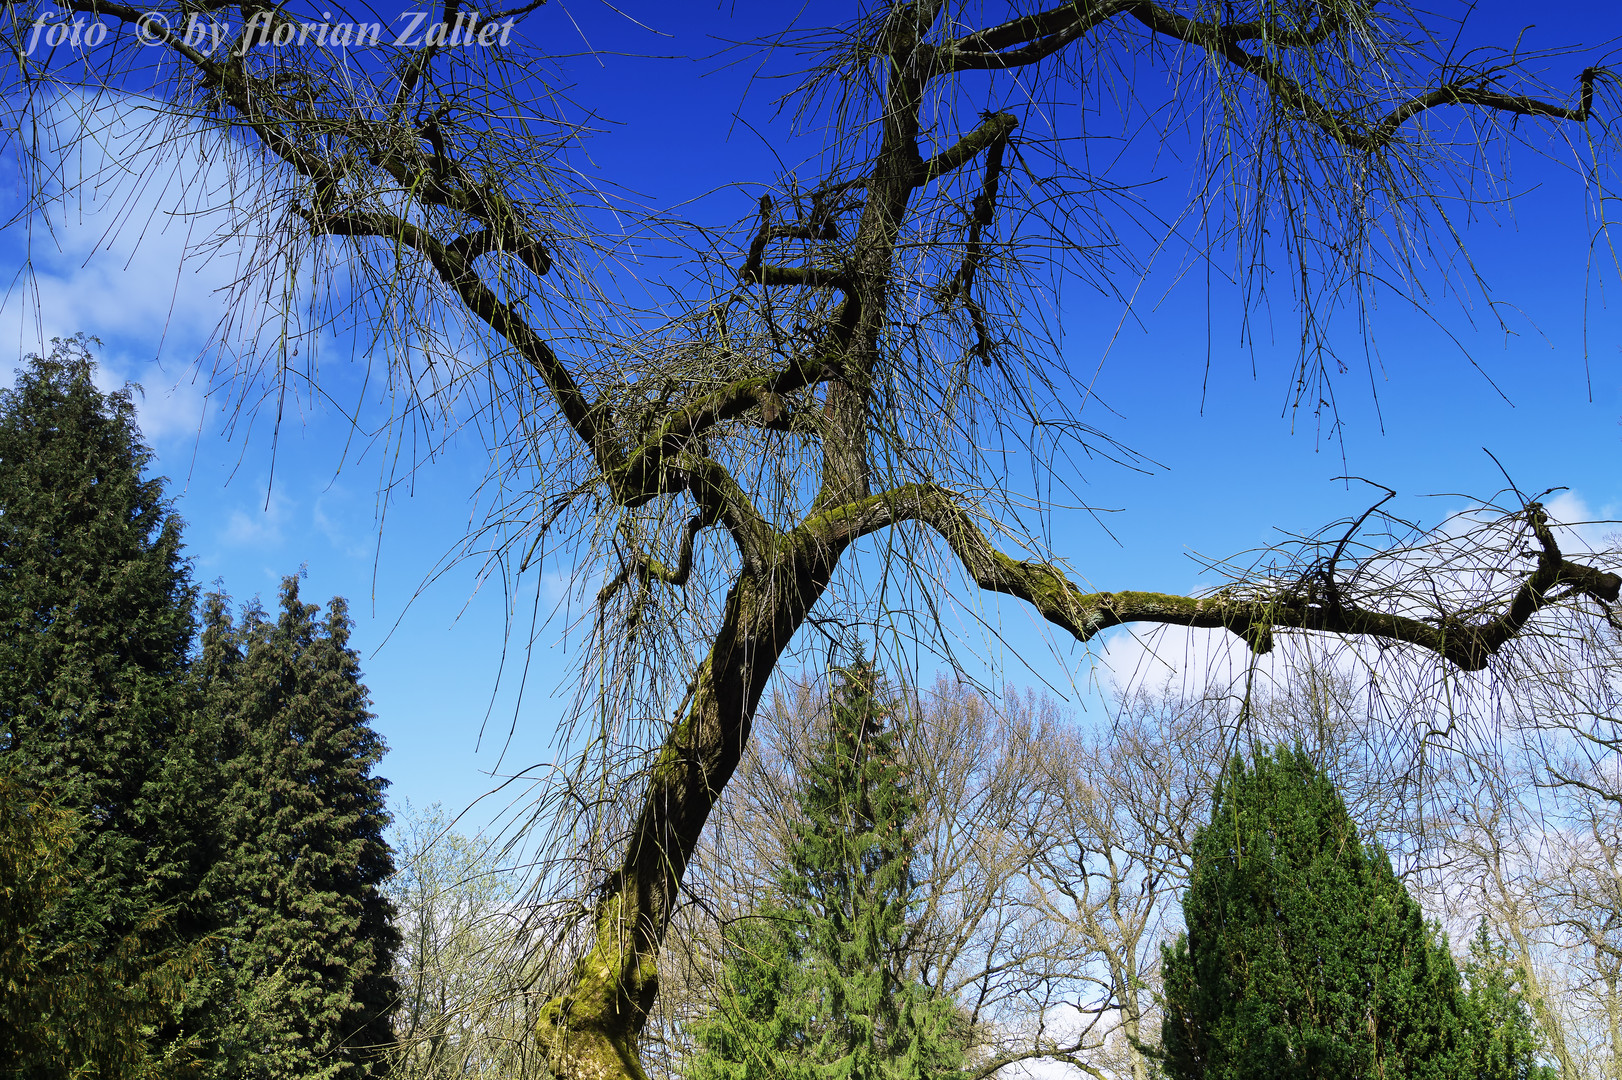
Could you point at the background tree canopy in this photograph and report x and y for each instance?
(804, 434)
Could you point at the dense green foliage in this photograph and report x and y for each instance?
(1505, 1041)
(308, 942)
(818, 981)
(68, 1007)
(765, 1024)
(191, 852)
(95, 711)
(1304, 956)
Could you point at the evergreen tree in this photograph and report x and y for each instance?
(70, 1008)
(308, 990)
(95, 626)
(1304, 956)
(762, 1027)
(1505, 1042)
(818, 982)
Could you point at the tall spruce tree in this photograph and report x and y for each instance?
(95, 712)
(1304, 956)
(307, 989)
(764, 1026)
(817, 982)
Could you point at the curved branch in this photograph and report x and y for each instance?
(1344, 128)
(1026, 40)
(1032, 38)
(646, 568)
(756, 272)
(1468, 644)
(981, 216)
(648, 474)
(455, 268)
(992, 132)
(1473, 93)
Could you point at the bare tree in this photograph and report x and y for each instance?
(1588, 897)
(1107, 855)
(466, 989)
(826, 376)
(1527, 841)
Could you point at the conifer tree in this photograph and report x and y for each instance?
(1304, 955)
(1505, 1042)
(95, 627)
(763, 1026)
(308, 990)
(73, 1008)
(817, 982)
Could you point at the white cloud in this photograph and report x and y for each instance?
(263, 524)
(1582, 528)
(118, 249)
(171, 403)
(337, 515)
(124, 243)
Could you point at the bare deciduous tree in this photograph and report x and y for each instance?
(466, 992)
(827, 375)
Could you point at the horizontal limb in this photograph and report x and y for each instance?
(1467, 641)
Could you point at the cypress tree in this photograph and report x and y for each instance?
(95, 626)
(310, 942)
(817, 983)
(1304, 956)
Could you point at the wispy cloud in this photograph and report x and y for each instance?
(263, 525)
(124, 244)
(346, 521)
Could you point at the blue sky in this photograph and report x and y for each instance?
(1545, 398)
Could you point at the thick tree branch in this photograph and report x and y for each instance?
(992, 132)
(809, 277)
(593, 1026)
(632, 484)
(1067, 1056)
(1032, 38)
(1474, 93)
(981, 215)
(455, 269)
(1468, 643)
(693, 418)
(756, 271)
(1026, 40)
